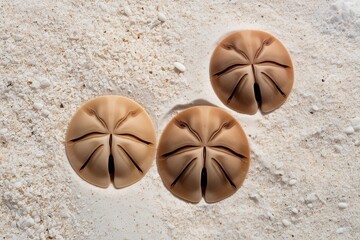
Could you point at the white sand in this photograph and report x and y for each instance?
(304, 181)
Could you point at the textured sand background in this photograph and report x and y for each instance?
(304, 181)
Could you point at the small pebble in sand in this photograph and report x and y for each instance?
(349, 130)
(342, 205)
(45, 113)
(355, 123)
(310, 198)
(292, 182)
(340, 230)
(161, 17)
(338, 148)
(180, 67)
(294, 210)
(278, 165)
(18, 37)
(286, 222)
(29, 222)
(254, 197)
(38, 105)
(44, 82)
(127, 11)
(315, 108)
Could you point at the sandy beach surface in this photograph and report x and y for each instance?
(304, 180)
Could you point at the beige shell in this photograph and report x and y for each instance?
(251, 70)
(111, 139)
(203, 152)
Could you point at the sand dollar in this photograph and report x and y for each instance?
(111, 138)
(203, 152)
(251, 70)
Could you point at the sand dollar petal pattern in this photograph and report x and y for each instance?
(251, 70)
(111, 139)
(203, 152)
